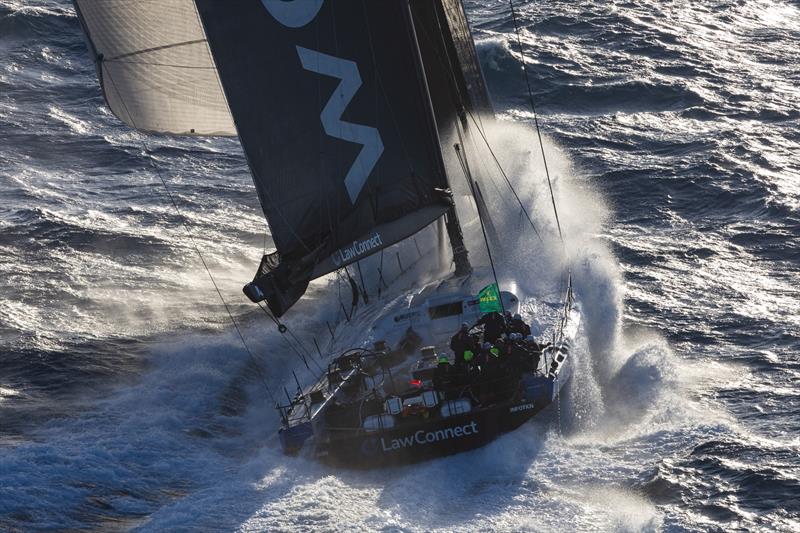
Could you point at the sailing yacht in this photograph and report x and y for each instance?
(355, 117)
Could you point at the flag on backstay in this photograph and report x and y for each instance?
(489, 298)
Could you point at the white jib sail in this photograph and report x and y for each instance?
(155, 66)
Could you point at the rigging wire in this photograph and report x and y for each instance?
(461, 159)
(160, 175)
(505, 177)
(535, 115)
(208, 271)
(538, 134)
(448, 64)
(303, 355)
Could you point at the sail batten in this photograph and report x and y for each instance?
(160, 48)
(154, 65)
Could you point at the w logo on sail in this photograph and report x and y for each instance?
(369, 138)
(299, 13)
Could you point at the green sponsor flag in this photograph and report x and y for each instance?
(490, 299)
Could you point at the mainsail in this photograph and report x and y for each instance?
(332, 108)
(154, 65)
(335, 102)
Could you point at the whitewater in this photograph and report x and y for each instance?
(127, 401)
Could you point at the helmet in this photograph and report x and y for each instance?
(487, 345)
(464, 325)
(443, 359)
(529, 338)
(468, 355)
(514, 336)
(517, 317)
(495, 351)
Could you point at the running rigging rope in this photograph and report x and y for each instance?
(151, 160)
(538, 130)
(304, 355)
(208, 271)
(505, 176)
(465, 169)
(535, 115)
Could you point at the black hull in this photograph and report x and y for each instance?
(428, 439)
(359, 435)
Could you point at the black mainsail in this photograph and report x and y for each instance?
(332, 108)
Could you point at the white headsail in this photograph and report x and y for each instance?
(155, 66)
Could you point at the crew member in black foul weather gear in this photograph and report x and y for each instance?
(518, 325)
(494, 325)
(462, 342)
(441, 376)
(535, 350)
(520, 355)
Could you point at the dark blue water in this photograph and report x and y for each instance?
(673, 135)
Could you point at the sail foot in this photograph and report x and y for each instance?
(278, 287)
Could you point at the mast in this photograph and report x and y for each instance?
(455, 234)
(457, 88)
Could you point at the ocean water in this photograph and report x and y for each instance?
(672, 130)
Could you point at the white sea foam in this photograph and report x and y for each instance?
(77, 125)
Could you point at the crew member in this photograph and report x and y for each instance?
(483, 355)
(517, 325)
(521, 354)
(535, 350)
(501, 346)
(491, 372)
(493, 326)
(441, 375)
(461, 342)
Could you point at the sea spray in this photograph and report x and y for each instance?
(537, 265)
